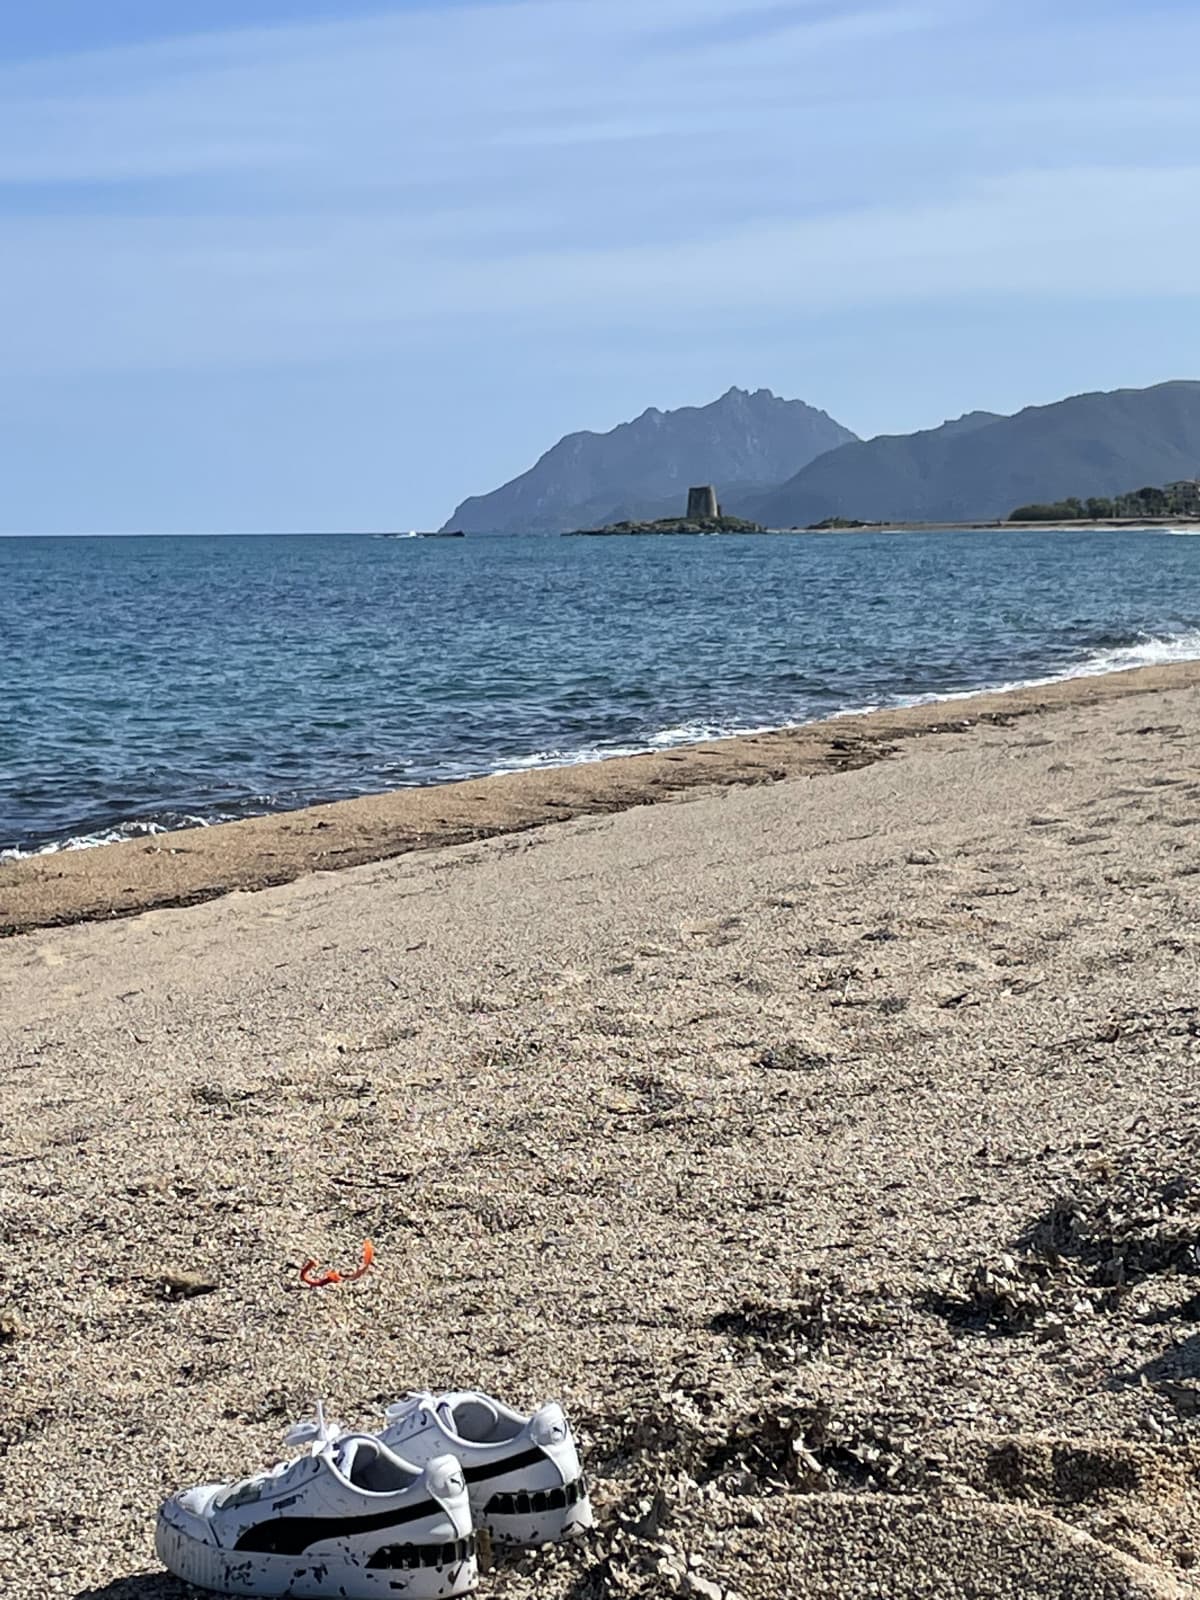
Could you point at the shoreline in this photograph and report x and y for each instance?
(1077, 525)
(996, 525)
(194, 865)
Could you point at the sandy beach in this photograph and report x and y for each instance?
(826, 1137)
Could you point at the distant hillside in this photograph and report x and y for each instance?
(743, 443)
(980, 467)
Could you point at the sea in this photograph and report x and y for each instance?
(153, 683)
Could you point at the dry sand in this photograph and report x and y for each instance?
(830, 1146)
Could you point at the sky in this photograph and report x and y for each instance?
(284, 264)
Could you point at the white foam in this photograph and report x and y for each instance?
(665, 739)
(1147, 652)
(563, 758)
(698, 732)
(135, 829)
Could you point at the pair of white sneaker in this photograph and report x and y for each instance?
(393, 1513)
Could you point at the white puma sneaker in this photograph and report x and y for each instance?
(523, 1473)
(349, 1519)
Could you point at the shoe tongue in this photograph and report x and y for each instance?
(353, 1450)
(471, 1416)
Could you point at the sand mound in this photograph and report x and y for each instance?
(796, 1497)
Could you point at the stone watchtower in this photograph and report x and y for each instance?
(702, 504)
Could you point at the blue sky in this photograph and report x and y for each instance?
(274, 264)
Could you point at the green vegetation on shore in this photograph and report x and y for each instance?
(1175, 500)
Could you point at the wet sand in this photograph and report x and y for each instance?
(828, 1143)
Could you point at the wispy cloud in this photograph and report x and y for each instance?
(165, 294)
(484, 182)
(426, 84)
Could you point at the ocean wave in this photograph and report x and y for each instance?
(135, 828)
(669, 738)
(1147, 651)
(699, 732)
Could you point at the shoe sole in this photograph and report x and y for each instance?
(241, 1572)
(531, 1528)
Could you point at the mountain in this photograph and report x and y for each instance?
(743, 443)
(980, 466)
(969, 422)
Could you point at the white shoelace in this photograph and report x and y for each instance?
(315, 1432)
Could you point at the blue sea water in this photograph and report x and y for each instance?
(152, 683)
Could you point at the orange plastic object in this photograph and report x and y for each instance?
(312, 1278)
